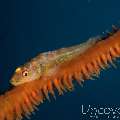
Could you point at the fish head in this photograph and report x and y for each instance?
(25, 73)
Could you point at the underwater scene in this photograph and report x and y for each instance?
(31, 27)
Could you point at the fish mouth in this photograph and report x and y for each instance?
(16, 83)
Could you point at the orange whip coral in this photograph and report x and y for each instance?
(39, 77)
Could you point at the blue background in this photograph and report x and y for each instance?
(28, 27)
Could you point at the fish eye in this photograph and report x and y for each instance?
(25, 73)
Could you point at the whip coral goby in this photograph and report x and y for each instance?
(39, 77)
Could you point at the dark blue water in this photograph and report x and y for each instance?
(28, 27)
